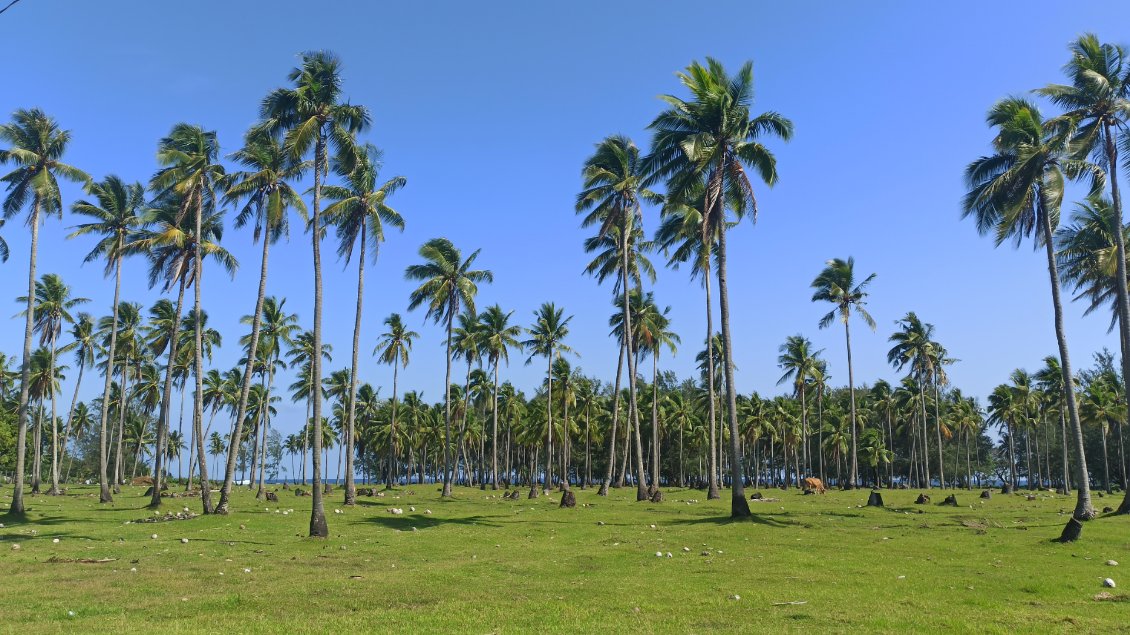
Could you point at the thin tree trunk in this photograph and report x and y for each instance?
(454, 309)
(70, 417)
(17, 507)
(938, 431)
(739, 507)
(350, 488)
(603, 491)
(103, 445)
(318, 527)
(712, 463)
(628, 336)
(655, 420)
(54, 491)
(493, 429)
(166, 394)
(119, 467)
(392, 428)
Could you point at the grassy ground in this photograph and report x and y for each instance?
(479, 564)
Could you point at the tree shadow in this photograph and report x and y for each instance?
(420, 521)
(759, 519)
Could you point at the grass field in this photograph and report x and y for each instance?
(480, 564)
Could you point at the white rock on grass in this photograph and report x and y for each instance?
(1112, 563)
(15, 547)
(55, 540)
(1108, 583)
(735, 597)
(154, 536)
(658, 554)
(184, 541)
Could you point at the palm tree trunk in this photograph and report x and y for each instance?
(739, 507)
(655, 420)
(167, 394)
(1084, 510)
(245, 386)
(350, 488)
(54, 491)
(493, 430)
(712, 463)
(588, 443)
(318, 527)
(851, 391)
(392, 425)
(1066, 464)
(603, 491)
(103, 457)
(628, 336)
(119, 467)
(938, 431)
(17, 507)
(1106, 460)
(71, 415)
(453, 310)
(1012, 457)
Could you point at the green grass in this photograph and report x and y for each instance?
(480, 564)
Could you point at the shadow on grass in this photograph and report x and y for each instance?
(420, 521)
(759, 519)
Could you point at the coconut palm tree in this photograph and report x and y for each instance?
(301, 355)
(360, 212)
(114, 213)
(837, 284)
(265, 189)
(798, 360)
(53, 305)
(498, 337)
(547, 336)
(1101, 407)
(655, 334)
(84, 344)
(1018, 191)
(393, 348)
(36, 147)
(447, 283)
(913, 348)
(312, 114)
(613, 190)
(713, 139)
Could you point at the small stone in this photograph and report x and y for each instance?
(15, 547)
(1108, 583)
(735, 597)
(600, 522)
(411, 509)
(653, 526)
(706, 553)
(221, 573)
(247, 570)
(413, 529)
(55, 540)
(658, 554)
(133, 569)
(669, 554)
(185, 510)
(719, 551)
(686, 548)
(1112, 563)
(70, 613)
(184, 541)
(427, 511)
(337, 511)
(154, 536)
(242, 526)
(902, 577)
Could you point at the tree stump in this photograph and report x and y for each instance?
(950, 500)
(1072, 531)
(273, 497)
(1108, 509)
(327, 488)
(987, 494)
(568, 498)
(1007, 489)
(298, 491)
(756, 496)
(922, 500)
(875, 499)
(656, 496)
(148, 492)
(515, 495)
(286, 485)
(533, 492)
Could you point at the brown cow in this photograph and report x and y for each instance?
(813, 485)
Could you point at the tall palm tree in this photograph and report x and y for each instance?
(613, 189)
(655, 334)
(912, 346)
(114, 214)
(278, 330)
(53, 304)
(312, 114)
(268, 196)
(84, 344)
(836, 284)
(714, 139)
(1018, 190)
(498, 337)
(36, 147)
(547, 336)
(447, 283)
(360, 212)
(393, 348)
(1097, 101)
(798, 360)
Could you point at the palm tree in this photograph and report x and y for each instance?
(278, 329)
(836, 284)
(1018, 190)
(301, 356)
(360, 212)
(613, 188)
(1101, 407)
(655, 334)
(36, 148)
(215, 445)
(84, 344)
(798, 360)
(265, 188)
(913, 347)
(498, 337)
(53, 304)
(311, 114)
(393, 349)
(547, 336)
(114, 214)
(713, 139)
(446, 283)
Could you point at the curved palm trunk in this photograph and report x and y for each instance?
(103, 457)
(17, 506)
(633, 409)
(588, 443)
(262, 493)
(70, 417)
(245, 387)
(603, 491)
(1084, 510)
(166, 397)
(712, 462)
(1106, 460)
(739, 507)
(198, 365)
(350, 488)
(318, 527)
(54, 491)
(1011, 456)
(119, 466)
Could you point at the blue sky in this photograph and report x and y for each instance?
(489, 110)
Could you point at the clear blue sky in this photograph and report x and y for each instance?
(489, 110)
